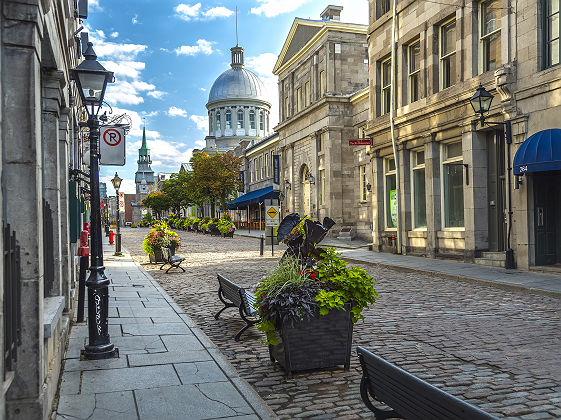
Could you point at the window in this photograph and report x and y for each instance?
(391, 194)
(419, 192)
(266, 164)
(298, 99)
(255, 169)
(307, 93)
(262, 120)
(447, 54)
(252, 120)
(490, 35)
(321, 142)
(218, 122)
(322, 186)
(260, 167)
(240, 122)
(386, 6)
(414, 71)
(321, 83)
(363, 182)
(286, 107)
(386, 70)
(228, 120)
(250, 172)
(271, 164)
(551, 29)
(453, 174)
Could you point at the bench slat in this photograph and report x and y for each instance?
(410, 396)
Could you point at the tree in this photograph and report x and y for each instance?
(214, 178)
(177, 190)
(157, 201)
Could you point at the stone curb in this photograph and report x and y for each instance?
(246, 391)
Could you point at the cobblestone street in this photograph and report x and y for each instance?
(496, 349)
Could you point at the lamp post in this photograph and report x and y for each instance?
(481, 103)
(116, 181)
(91, 81)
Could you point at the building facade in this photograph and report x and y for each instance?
(446, 191)
(144, 179)
(323, 97)
(41, 207)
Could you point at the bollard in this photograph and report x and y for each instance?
(261, 245)
(84, 264)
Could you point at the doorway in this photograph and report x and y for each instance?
(547, 217)
(306, 193)
(496, 188)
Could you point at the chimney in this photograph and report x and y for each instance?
(331, 13)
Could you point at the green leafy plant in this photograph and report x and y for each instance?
(161, 236)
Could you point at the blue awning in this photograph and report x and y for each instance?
(540, 152)
(254, 197)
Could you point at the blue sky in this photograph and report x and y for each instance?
(166, 55)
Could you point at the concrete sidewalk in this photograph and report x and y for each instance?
(168, 369)
(547, 284)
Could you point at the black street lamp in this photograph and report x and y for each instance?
(91, 81)
(481, 103)
(116, 181)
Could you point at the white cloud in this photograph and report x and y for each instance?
(150, 114)
(134, 19)
(127, 185)
(114, 34)
(263, 65)
(203, 47)
(200, 144)
(195, 12)
(157, 94)
(203, 89)
(271, 8)
(201, 121)
(354, 11)
(94, 6)
(174, 111)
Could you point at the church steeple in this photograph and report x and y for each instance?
(144, 151)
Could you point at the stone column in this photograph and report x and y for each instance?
(51, 101)
(67, 257)
(21, 126)
(405, 192)
(433, 191)
(377, 195)
(334, 173)
(476, 217)
(2, 314)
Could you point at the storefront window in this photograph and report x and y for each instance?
(391, 194)
(453, 186)
(419, 193)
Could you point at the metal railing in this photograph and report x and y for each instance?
(12, 298)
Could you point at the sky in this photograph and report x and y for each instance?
(166, 55)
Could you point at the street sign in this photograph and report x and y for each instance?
(112, 145)
(272, 216)
(276, 169)
(360, 142)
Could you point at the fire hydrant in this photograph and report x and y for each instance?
(111, 234)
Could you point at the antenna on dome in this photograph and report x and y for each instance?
(237, 42)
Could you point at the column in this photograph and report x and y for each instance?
(21, 74)
(405, 192)
(377, 196)
(433, 191)
(67, 257)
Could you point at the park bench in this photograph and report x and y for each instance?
(173, 260)
(234, 296)
(408, 396)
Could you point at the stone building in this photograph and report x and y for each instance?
(323, 96)
(238, 108)
(144, 179)
(41, 207)
(454, 184)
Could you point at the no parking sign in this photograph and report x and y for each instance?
(112, 145)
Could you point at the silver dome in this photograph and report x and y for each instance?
(237, 83)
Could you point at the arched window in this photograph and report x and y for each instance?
(218, 127)
(252, 120)
(262, 120)
(228, 120)
(240, 118)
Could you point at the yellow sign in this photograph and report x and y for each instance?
(272, 212)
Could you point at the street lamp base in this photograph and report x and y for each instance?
(509, 259)
(99, 352)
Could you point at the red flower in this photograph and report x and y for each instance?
(313, 276)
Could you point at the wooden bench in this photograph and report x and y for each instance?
(234, 296)
(173, 260)
(408, 396)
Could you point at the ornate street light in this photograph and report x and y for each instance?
(116, 181)
(481, 103)
(91, 80)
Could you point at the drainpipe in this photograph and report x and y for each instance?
(392, 130)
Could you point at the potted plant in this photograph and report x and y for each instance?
(309, 303)
(226, 228)
(161, 236)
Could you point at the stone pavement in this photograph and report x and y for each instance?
(167, 369)
(357, 251)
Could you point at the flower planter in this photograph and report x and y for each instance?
(157, 257)
(321, 342)
(229, 234)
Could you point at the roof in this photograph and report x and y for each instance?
(540, 152)
(237, 83)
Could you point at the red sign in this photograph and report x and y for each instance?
(112, 137)
(360, 142)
